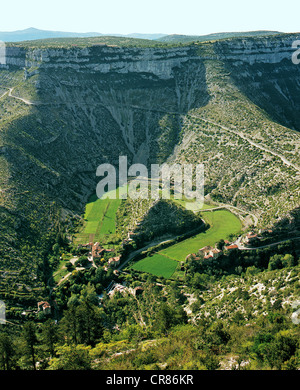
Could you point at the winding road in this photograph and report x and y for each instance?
(244, 248)
(9, 93)
(138, 251)
(239, 134)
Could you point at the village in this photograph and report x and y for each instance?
(98, 255)
(224, 246)
(97, 252)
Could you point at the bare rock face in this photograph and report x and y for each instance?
(232, 105)
(264, 71)
(270, 50)
(90, 105)
(106, 93)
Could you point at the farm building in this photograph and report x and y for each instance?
(210, 253)
(44, 306)
(250, 238)
(97, 251)
(114, 261)
(87, 246)
(231, 247)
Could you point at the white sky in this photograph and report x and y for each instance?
(192, 17)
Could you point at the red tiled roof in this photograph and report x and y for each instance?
(234, 246)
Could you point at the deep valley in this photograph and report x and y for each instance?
(69, 105)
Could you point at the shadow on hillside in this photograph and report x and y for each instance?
(275, 88)
(82, 118)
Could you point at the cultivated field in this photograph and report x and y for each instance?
(100, 223)
(100, 219)
(222, 224)
(157, 264)
(164, 263)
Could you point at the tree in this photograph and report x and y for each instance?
(282, 349)
(134, 333)
(200, 281)
(217, 335)
(30, 340)
(55, 249)
(69, 323)
(6, 351)
(209, 360)
(238, 318)
(82, 261)
(99, 276)
(163, 319)
(70, 267)
(82, 321)
(88, 295)
(220, 244)
(167, 317)
(89, 316)
(275, 262)
(90, 328)
(71, 357)
(288, 260)
(50, 335)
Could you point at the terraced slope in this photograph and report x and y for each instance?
(66, 109)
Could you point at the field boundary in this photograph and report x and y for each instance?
(158, 249)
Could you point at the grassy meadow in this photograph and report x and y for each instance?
(157, 264)
(99, 219)
(222, 224)
(100, 223)
(165, 263)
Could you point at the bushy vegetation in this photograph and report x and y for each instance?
(69, 43)
(163, 328)
(236, 308)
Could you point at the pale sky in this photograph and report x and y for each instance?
(191, 17)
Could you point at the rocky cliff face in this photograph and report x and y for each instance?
(104, 59)
(270, 50)
(133, 89)
(231, 105)
(263, 70)
(93, 104)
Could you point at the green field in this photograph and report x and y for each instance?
(222, 224)
(100, 222)
(100, 219)
(158, 265)
(164, 263)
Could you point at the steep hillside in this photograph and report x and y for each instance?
(66, 109)
(251, 159)
(149, 219)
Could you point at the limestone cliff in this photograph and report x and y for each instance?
(74, 108)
